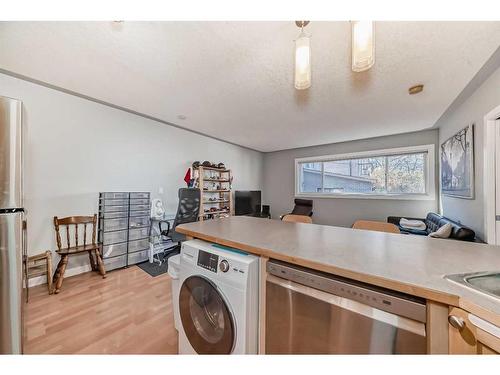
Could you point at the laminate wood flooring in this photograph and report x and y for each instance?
(129, 312)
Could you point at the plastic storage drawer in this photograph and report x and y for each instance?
(123, 209)
(139, 195)
(114, 250)
(140, 213)
(114, 202)
(114, 195)
(139, 221)
(138, 233)
(135, 202)
(114, 215)
(109, 238)
(138, 207)
(138, 257)
(115, 262)
(115, 224)
(138, 245)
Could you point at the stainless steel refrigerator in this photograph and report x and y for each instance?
(12, 227)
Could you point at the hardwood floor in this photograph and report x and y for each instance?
(129, 312)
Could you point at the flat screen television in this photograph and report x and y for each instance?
(247, 202)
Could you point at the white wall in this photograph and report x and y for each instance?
(471, 110)
(75, 148)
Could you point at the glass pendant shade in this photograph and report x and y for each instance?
(363, 46)
(302, 62)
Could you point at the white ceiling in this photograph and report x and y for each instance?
(234, 80)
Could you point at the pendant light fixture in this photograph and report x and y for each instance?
(363, 45)
(302, 58)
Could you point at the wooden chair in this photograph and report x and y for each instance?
(92, 248)
(39, 265)
(377, 226)
(297, 218)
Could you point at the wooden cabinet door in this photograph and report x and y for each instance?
(461, 340)
(483, 349)
(466, 338)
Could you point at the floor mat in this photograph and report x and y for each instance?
(154, 269)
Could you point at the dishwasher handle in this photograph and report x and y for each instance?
(351, 305)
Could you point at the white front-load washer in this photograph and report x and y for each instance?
(218, 300)
(173, 270)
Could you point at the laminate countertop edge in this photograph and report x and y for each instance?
(441, 296)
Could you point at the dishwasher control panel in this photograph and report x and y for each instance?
(392, 302)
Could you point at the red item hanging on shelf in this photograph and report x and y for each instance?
(187, 177)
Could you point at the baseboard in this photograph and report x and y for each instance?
(39, 280)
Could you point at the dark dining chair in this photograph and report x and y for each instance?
(302, 207)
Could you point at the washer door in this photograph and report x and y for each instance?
(206, 318)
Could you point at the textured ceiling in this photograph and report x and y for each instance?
(234, 80)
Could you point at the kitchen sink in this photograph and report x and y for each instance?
(485, 282)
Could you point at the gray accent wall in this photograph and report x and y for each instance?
(470, 108)
(279, 182)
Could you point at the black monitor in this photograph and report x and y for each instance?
(247, 202)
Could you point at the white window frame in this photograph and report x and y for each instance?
(429, 171)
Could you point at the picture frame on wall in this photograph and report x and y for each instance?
(457, 164)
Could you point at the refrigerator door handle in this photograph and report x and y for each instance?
(25, 258)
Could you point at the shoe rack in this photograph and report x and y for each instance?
(216, 195)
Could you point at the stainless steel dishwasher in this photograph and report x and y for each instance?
(311, 312)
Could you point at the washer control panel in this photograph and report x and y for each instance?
(224, 265)
(218, 262)
(208, 261)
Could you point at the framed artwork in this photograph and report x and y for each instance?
(457, 164)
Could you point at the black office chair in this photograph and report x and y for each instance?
(302, 207)
(187, 212)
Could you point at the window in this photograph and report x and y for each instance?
(404, 173)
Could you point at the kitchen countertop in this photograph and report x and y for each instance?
(410, 264)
